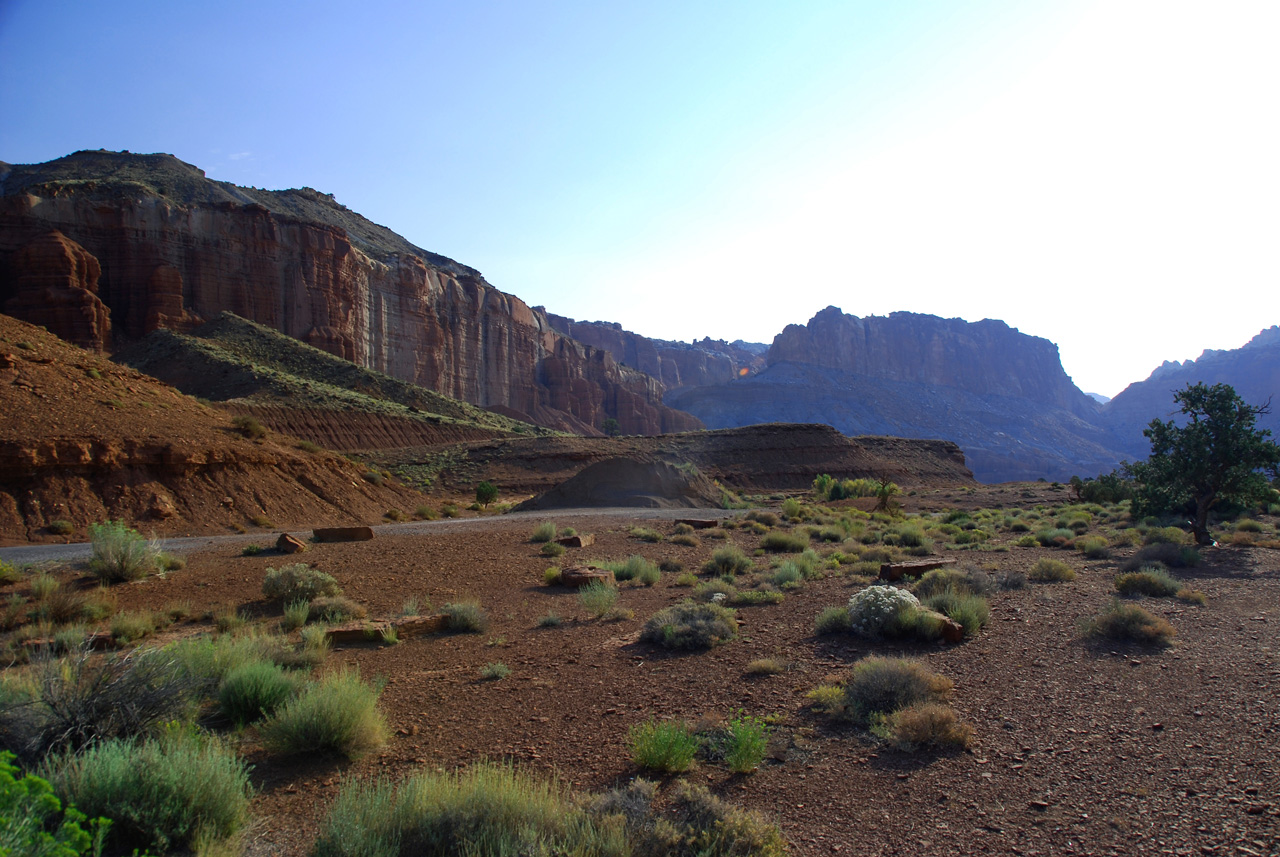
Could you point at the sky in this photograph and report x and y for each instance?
(1100, 174)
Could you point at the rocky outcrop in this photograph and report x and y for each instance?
(54, 283)
(1253, 370)
(987, 358)
(175, 248)
(675, 364)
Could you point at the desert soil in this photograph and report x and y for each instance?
(1079, 749)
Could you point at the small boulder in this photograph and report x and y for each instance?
(418, 626)
(699, 523)
(892, 571)
(289, 544)
(580, 575)
(343, 534)
(578, 541)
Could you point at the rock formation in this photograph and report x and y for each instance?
(175, 248)
(1253, 370)
(675, 364)
(54, 283)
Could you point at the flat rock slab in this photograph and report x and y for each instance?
(343, 534)
(418, 626)
(579, 541)
(357, 632)
(896, 570)
(699, 523)
(952, 631)
(581, 575)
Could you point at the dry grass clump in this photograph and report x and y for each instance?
(1048, 570)
(926, 724)
(777, 541)
(298, 581)
(1129, 623)
(1167, 554)
(465, 617)
(766, 666)
(337, 714)
(727, 561)
(1152, 580)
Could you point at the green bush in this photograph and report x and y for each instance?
(940, 580)
(780, 542)
(597, 597)
(748, 740)
(255, 690)
(61, 528)
(465, 617)
(787, 574)
(1166, 553)
(1244, 526)
(728, 560)
(634, 567)
(1151, 580)
(690, 625)
(249, 427)
(1166, 536)
(496, 671)
(486, 493)
(645, 534)
(119, 553)
(544, 532)
(33, 822)
(298, 581)
(832, 620)
(1094, 547)
(334, 610)
(881, 686)
(1129, 623)
(665, 746)
(1051, 571)
(180, 791)
(1055, 538)
(960, 605)
(296, 613)
(338, 713)
(552, 549)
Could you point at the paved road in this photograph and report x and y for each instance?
(80, 551)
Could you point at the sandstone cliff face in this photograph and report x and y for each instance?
(675, 364)
(55, 285)
(175, 248)
(1253, 370)
(987, 357)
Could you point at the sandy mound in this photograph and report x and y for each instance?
(631, 482)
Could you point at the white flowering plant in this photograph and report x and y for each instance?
(875, 611)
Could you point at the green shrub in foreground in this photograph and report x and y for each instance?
(338, 713)
(32, 820)
(1129, 623)
(119, 553)
(634, 567)
(971, 611)
(748, 740)
(175, 792)
(691, 625)
(665, 746)
(255, 690)
(832, 620)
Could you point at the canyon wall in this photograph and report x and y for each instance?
(173, 248)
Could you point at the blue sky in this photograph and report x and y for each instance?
(1102, 174)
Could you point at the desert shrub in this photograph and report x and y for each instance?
(61, 528)
(1026, 542)
(34, 823)
(129, 627)
(688, 578)
(251, 550)
(1245, 526)
(262, 521)
(1048, 570)
(296, 614)
(486, 493)
(83, 699)
(9, 573)
(308, 446)
(728, 560)
(756, 597)
(769, 519)
(177, 792)
(1129, 623)
(544, 532)
(1166, 553)
(766, 666)
(699, 824)
(875, 610)
(373, 477)
(787, 574)
(550, 620)
(832, 620)
(449, 510)
(298, 581)
(119, 553)
(1011, 580)
(777, 541)
(249, 427)
(683, 529)
(691, 625)
(670, 566)
(496, 671)
(255, 690)
(880, 686)
(597, 598)
(338, 713)
(634, 567)
(938, 580)
(552, 549)
(925, 724)
(1055, 538)
(1151, 580)
(395, 515)
(465, 617)
(665, 746)
(748, 737)
(645, 534)
(551, 575)
(425, 513)
(1191, 596)
(1166, 535)
(1094, 547)
(912, 536)
(334, 610)
(960, 605)
(685, 540)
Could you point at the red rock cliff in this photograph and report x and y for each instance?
(175, 247)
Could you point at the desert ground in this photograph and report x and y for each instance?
(1078, 747)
